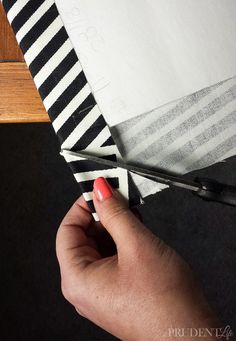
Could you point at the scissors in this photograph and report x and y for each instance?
(207, 189)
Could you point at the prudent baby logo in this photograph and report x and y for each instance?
(223, 333)
(226, 333)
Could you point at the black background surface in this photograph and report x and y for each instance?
(37, 189)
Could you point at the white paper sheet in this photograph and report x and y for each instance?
(139, 55)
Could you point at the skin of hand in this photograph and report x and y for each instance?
(142, 289)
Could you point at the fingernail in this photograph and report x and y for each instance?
(102, 189)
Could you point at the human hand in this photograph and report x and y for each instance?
(139, 292)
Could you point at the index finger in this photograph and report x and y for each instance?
(79, 214)
(74, 248)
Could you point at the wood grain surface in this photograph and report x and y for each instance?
(9, 50)
(19, 99)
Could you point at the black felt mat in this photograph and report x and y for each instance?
(36, 191)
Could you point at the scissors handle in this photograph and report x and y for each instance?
(212, 190)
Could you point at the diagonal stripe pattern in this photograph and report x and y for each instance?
(188, 134)
(66, 95)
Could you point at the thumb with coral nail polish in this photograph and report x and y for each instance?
(102, 189)
(114, 213)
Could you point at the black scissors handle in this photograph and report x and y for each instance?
(212, 190)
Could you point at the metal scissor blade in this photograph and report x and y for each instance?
(157, 176)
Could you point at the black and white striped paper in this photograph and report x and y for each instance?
(66, 94)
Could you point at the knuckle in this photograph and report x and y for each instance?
(71, 293)
(68, 293)
(77, 296)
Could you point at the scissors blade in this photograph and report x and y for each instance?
(154, 175)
